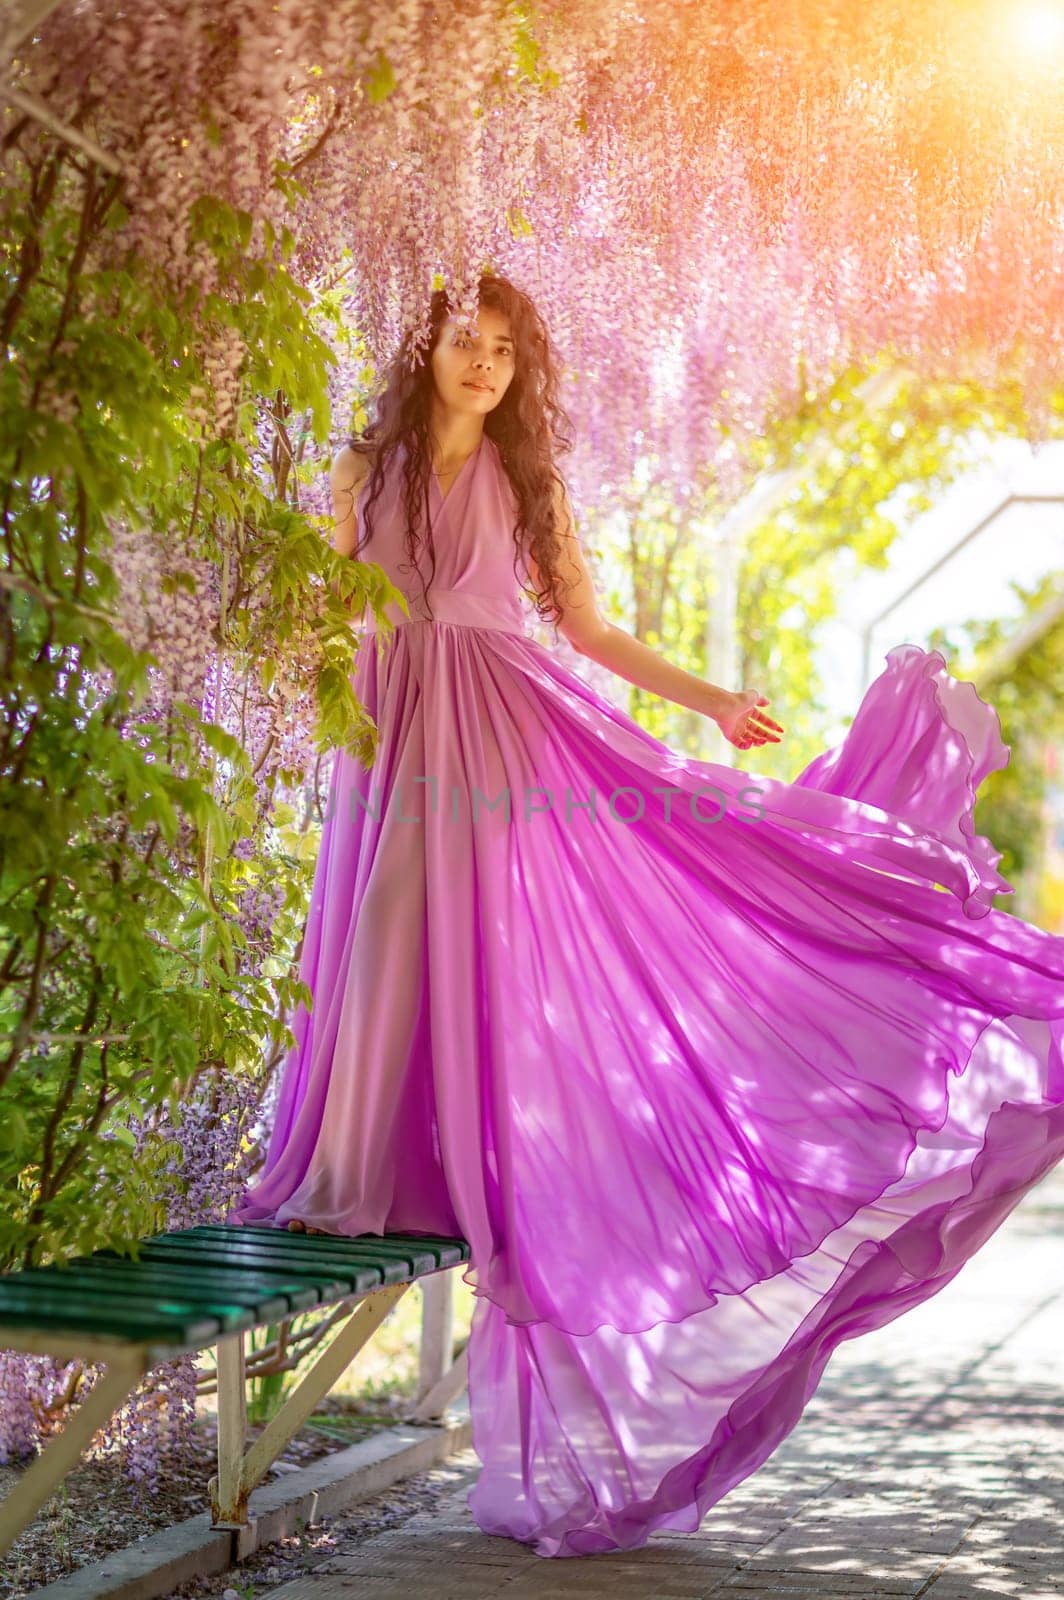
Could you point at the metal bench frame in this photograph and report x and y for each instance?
(128, 1359)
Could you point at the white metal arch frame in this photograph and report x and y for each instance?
(1032, 630)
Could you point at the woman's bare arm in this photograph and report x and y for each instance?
(348, 473)
(738, 714)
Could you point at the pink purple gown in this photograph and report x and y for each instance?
(711, 1077)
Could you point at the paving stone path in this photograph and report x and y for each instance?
(930, 1462)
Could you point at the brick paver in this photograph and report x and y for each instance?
(930, 1462)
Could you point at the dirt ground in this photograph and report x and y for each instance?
(95, 1508)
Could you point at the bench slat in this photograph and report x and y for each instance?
(191, 1286)
(128, 1308)
(351, 1274)
(98, 1282)
(429, 1252)
(413, 1255)
(57, 1311)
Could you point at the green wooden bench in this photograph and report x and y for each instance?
(196, 1288)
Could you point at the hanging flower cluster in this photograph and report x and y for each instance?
(713, 204)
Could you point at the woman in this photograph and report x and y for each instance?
(712, 1070)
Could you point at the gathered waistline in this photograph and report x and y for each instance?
(459, 606)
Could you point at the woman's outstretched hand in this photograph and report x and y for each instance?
(744, 724)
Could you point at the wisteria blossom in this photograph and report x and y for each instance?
(705, 200)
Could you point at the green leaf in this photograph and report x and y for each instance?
(380, 82)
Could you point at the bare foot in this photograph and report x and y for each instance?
(297, 1225)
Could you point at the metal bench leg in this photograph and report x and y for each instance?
(230, 1510)
(62, 1453)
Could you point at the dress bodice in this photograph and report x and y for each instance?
(474, 580)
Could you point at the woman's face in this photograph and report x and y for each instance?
(488, 360)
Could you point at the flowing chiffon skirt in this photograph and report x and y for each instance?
(712, 1070)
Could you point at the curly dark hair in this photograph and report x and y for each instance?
(528, 426)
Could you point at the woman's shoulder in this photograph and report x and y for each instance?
(353, 462)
